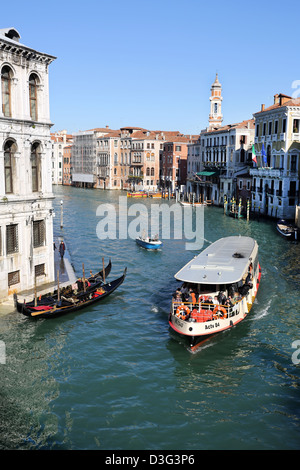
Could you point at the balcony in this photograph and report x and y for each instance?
(296, 136)
(267, 172)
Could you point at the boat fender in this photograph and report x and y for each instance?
(219, 312)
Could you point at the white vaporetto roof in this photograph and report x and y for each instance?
(223, 262)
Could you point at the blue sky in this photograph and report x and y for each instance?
(151, 64)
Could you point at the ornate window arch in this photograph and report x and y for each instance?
(35, 160)
(10, 148)
(33, 95)
(6, 79)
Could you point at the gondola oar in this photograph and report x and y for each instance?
(103, 270)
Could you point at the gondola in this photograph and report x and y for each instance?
(49, 299)
(70, 304)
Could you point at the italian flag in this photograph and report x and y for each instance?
(254, 155)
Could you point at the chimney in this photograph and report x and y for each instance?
(262, 107)
(276, 99)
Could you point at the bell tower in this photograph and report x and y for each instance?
(215, 117)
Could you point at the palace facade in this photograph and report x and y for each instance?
(26, 213)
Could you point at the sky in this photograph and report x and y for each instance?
(151, 64)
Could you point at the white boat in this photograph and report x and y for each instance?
(218, 290)
(287, 229)
(149, 243)
(193, 204)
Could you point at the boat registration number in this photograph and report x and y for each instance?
(209, 326)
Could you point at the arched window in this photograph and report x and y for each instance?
(35, 166)
(9, 150)
(33, 82)
(6, 75)
(152, 171)
(148, 172)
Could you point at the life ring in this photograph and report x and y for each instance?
(217, 314)
(181, 308)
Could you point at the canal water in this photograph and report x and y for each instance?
(115, 377)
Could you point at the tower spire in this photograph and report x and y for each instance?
(215, 117)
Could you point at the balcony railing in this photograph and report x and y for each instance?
(267, 172)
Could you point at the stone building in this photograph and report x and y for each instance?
(26, 225)
(275, 188)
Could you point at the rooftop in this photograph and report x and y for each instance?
(223, 262)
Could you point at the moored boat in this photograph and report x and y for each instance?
(77, 301)
(149, 243)
(137, 194)
(85, 284)
(218, 290)
(193, 204)
(287, 229)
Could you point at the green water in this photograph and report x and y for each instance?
(115, 377)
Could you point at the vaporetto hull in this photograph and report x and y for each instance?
(201, 316)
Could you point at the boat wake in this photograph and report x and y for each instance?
(261, 314)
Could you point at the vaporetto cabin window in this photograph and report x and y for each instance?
(33, 83)
(6, 76)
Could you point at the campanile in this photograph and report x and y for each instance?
(215, 117)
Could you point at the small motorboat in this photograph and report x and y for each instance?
(192, 204)
(137, 194)
(74, 302)
(149, 243)
(287, 229)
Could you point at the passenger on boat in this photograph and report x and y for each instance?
(244, 289)
(192, 297)
(177, 296)
(184, 291)
(221, 298)
(237, 296)
(229, 302)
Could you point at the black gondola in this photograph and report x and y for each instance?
(49, 299)
(70, 304)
